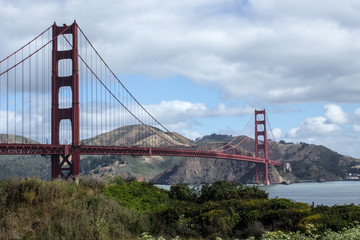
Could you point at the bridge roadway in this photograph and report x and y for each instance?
(48, 149)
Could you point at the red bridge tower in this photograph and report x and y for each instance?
(261, 144)
(69, 164)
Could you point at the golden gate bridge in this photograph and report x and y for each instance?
(57, 90)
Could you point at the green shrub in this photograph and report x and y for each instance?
(337, 217)
(223, 190)
(33, 191)
(183, 192)
(34, 209)
(139, 196)
(92, 182)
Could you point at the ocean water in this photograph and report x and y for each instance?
(319, 193)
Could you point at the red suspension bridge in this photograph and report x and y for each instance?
(60, 72)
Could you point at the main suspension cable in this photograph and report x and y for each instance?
(236, 136)
(125, 87)
(241, 140)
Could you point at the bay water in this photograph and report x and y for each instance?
(317, 193)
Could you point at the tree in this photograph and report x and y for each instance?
(223, 190)
(183, 192)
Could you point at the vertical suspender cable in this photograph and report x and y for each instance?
(49, 89)
(87, 80)
(22, 96)
(96, 101)
(101, 110)
(112, 118)
(36, 91)
(42, 120)
(30, 96)
(103, 105)
(0, 108)
(112, 113)
(80, 91)
(61, 90)
(267, 119)
(15, 102)
(7, 103)
(42, 92)
(92, 100)
(106, 117)
(82, 97)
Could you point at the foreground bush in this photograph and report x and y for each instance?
(117, 209)
(223, 190)
(34, 209)
(139, 196)
(352, 233)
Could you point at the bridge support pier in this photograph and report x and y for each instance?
(261, 144)
(265, 168)
(69, 164)
(267, 181)
(257, 173)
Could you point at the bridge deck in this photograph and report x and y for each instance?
(47, 149)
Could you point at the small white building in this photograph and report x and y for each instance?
(287, 167)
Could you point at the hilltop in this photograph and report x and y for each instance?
(309, 162)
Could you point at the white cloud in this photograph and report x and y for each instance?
(336, 130)
(191, 134)
(357, 114)
(277, 132)
(356, 123)
(356, 128)
(311, 127)
(335, 114)
(272, 51)
(176, 111)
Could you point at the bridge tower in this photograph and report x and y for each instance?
(65, 165)
(261, 144)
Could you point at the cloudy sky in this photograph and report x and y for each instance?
(202, 67)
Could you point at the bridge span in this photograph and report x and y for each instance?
(41, 149)
(57, 87)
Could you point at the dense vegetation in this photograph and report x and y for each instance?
(89, 163)
(25, 166)
(117, 209)
(212, 138)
